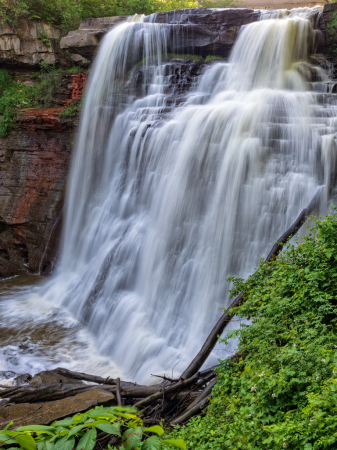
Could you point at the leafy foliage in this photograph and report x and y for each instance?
(282, 392)
(80, 431)
(67, 14)
(15, 96)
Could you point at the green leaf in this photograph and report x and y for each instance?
(156, 429)
(76, 429)
(26, 442)
(88, 441)
(65, 443)
(50, 446)
(137, 422)
(6, 438)
(37, 428)
(102, 414)
(7, 426)
(152, 443)
(63, 423)
(110, 428)
(42, 445)
(177, 443)
(132, 438)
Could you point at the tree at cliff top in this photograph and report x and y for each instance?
(282, 393)
(68, 13)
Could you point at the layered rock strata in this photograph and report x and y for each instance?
(34, 162)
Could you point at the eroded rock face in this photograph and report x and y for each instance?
(200, 31)
(84, 41)
(30, 44)
(45, 413)
(33, 170)
(34, 163)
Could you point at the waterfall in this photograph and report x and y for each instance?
(165, 199)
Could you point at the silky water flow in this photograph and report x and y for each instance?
(165, 199)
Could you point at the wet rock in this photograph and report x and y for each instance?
(86, 39)
(23, 379)
(80, 60)
(201, 31)
(50, 377)
(45, 413)
(7, 374)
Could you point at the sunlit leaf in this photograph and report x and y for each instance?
(26, 442)
(63, 423)
(110, 428)
(37, 429)
(156, 429)
(177, 443)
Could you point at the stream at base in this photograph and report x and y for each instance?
(36, 337)
(168, 196)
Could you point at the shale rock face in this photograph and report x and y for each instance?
(200, 31)
(30, 44)
(34, 162)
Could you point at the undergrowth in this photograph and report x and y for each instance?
(67, 14)
(281, 392)
(121, 425)
(15, 96)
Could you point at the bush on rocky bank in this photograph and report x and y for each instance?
(282, 392)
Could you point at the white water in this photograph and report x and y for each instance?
(160, 212)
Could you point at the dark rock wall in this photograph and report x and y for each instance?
(34, 163)
(33, 170)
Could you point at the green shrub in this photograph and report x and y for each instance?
(282, 392)
(67, 14)
(15, 96)
(80, 432)
(72, 110)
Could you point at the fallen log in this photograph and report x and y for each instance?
(205, 393)
(165, 391)
(191, 412)
(118, 392)
(220, 326)
(48, 392)
(84, 376)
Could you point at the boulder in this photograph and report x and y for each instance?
(23, 379)
(45, 413)
(85, 40)
(50, 377)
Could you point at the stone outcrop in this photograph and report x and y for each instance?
(30, 44)
(84, 41)
(200, 31)
(46, 412)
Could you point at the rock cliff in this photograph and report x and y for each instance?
(30, 44)
(34, 162)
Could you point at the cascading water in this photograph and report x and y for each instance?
(166, 201)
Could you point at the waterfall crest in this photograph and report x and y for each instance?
(165, 201)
